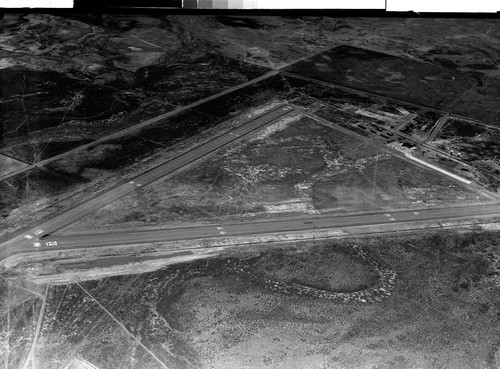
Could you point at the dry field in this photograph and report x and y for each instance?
(441, 313)
(295, 166)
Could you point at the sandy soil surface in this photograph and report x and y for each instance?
(295, 166)
(441, 313)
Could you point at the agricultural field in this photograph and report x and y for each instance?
(248, 309)
(294, 166)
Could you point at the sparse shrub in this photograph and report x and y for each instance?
(135, 216)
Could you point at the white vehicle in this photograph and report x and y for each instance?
(51, 243)
(40, 231)
(37, 244)
(28, 236)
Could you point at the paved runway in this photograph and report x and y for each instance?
(69, 216)
(142, 124)
(263, 227)
(26, 243)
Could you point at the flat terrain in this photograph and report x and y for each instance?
(136, 74)
(95, 107)
(295, 166)
(442, 312)
(9, 165)
(404, 79)
(80, 174)
(160, 172)
(28, 192)
(107, 80)
(19, 312)
(408, 80)
(448, 142)
(475, 145)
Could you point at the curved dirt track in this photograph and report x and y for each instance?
(374, 293)
(380, 290)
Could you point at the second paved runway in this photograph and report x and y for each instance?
(69, 216)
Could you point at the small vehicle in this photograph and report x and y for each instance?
(40, 231)
(51, 243)
(37, 244)
(28, 236)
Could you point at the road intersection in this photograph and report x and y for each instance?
(45, 237)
